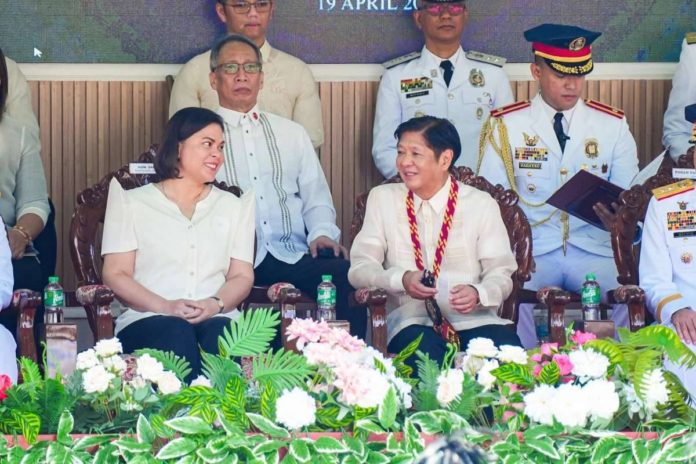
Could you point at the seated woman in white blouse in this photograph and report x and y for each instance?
(179, 253)
(8, 347)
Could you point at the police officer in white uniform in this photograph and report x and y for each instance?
(534, 147)
(668, 261)
(676, 129)
(441, 80)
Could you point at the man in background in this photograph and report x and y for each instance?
(677, 130)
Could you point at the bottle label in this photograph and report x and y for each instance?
(326, 296)
(53, 298)
(591, 295)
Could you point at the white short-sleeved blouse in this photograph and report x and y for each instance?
(176, 257)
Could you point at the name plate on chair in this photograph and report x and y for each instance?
(141, 168)
(683, 173)
(61, 349)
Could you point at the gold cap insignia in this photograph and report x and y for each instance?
(577, 44)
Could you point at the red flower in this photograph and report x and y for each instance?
(5, 383)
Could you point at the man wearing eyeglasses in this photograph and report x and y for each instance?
(289, 89)
(441, 80)
(296, 232)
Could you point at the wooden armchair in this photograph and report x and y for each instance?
(519, 232)
(23, 308)
(85, 244)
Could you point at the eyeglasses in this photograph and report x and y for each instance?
(242, 7)
(436, 9)
(233, 68)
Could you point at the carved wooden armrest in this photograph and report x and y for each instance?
(24, 303)
(287, 296)
(555, 299)
(634, 297)
(97, 300)
(375, 299)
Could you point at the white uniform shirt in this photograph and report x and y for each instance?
(677, 130)
(18, 103)
(8, 347)
(274, 157)
(477, 253)
(176, 257)
(538, 161)
(417, 88)
(289, 90)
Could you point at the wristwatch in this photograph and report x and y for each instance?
(221, 305)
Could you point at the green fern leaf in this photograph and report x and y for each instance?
(284, 370)
(550, 374)
(648, 360)
(514, 373)
(28, 423)
(408, 351)
(171, 362)
(29, 370)
(666, 340)
(269, 396)
(234, 403)
(53, 400)
(328, 417)
(219, 370)
(249, 335)
(424, 398)
(466, 404)
(203, 410)
(678, 403)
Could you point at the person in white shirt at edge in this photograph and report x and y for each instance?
(179, 253)
(677, 131)
(8, 347)
(441, 80)
(18, 101)
(667, 266)
(296, 219)
(289, 91)
(476, 263)
(534, 147)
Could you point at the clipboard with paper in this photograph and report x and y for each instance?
(577, 196)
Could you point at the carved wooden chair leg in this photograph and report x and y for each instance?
(286, 296)
(25, 302)
(97, 300)
(556, 300)
(375, 299)
(634, 297)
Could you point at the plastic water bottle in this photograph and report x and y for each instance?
(591, 297)
(54, 301)
(326, 299)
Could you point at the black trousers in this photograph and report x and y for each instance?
(435, 347)
(171, 333)
(306, 275)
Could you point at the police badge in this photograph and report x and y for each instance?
(530, 140)
(682, 205)
(476, 78)
(592, 148)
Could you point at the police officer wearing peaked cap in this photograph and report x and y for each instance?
(441, 80)
(534, 147)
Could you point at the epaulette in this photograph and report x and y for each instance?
(690, 38)
(498, 112)
(485, 58)
(610, 110)
(674, 189)
(401, 59)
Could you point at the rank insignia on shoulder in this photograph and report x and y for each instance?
(485, 58)
(610, 110)
(674, 189)
(690, 38)
(401, 59)
(496, 113)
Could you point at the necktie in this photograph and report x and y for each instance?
(558, 129)
(448, 67)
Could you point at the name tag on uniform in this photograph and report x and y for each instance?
(416, 84)
(141, 168)
(681, 220)
(691, 233)
(683, 173)
(528, 165)
(531, 154)
(417, 94)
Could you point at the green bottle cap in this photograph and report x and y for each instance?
(590, 276)
(326, 278)
(53, 280)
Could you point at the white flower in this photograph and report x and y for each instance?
(115, 364)
(295, 409)
(471, 364)
(449, 386)
(484, 377)
(601, 398)
(105, 348)
(137, 382)
(481, 347)
(86, 359)
(588, 364)
(512, 354)
(403, 390)
(201, 381)
(634, 403)
(656, 392)
(149, 368)
(168, 383)
(569, 406)
(537, 404)
(96, 379)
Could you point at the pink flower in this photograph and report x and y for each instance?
(306, 331)
(582, 337)
(537, 370)
(507, 415)
(344, 340)
(563, 362)
(5, 383)
(514, 388)
(548, 349)
(323, 353)
(537, 357)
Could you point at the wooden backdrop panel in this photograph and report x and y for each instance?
(91, 128)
